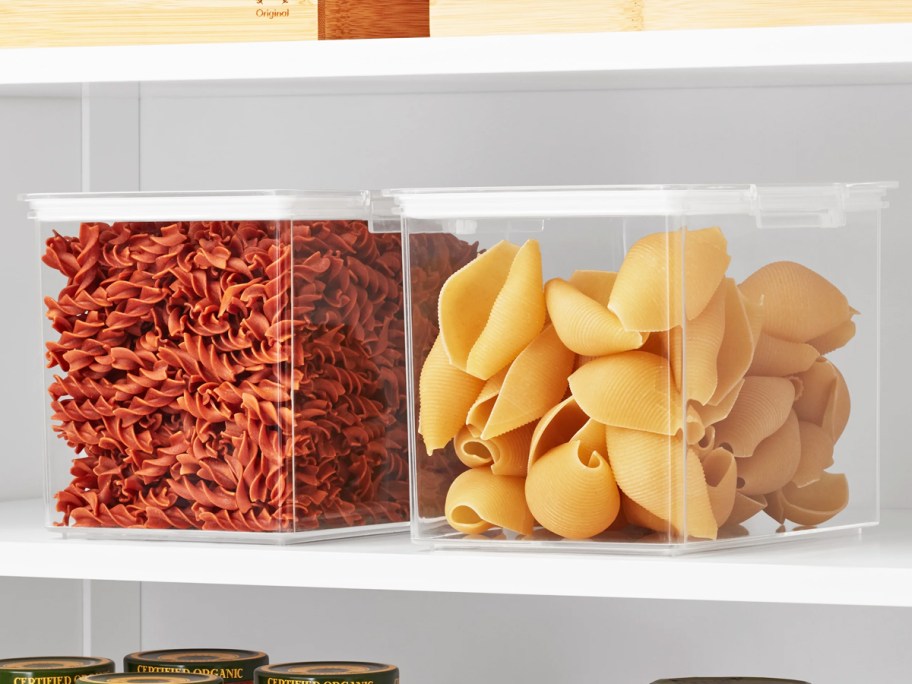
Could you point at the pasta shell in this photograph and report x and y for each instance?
(506, 454)
(445, 394)
(774, 462)
(637, 515)
(695, 429)
(762, 407)
(816, 454)
(592, 436)
(713, 413)
(660, 281)
(702, 337)
(632, 389)
(835, 338)
(721, 472)
(573, 493)
(596, 285)
(535, 382)
(745, 507)
(492, 308)
(825, 398)
(557, 426)
(479, 500)
(584, 325)
(813, 504)
(778, 358)
(653, 470)
(480, 411)
(737, 348)
(799, 304)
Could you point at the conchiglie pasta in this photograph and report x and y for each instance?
(653, 292)
(479, 500)
(721, 472)
(825, 400)
(596, 285)
(492, 308)
(480, 410)
(737, 348)
(572, 493)
(775, 357)
(711, 414)
(702, 337)
(653, 471)
(799, 304)
(763, 405)
(639, 516)
(556, 427)
(816, 454)
(745, 508)
(632, 389)
(506, 454)
(811, 505)
(535, 382)
(835, 338)
(445, 395)
(774, 462)
(584, 325)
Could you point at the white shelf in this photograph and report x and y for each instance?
(874, 569)
(869, 53)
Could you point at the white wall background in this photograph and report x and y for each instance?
(189, 139)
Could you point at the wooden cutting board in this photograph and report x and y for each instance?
(46, 23)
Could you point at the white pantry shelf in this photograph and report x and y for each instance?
(740, 57)
(873, 569)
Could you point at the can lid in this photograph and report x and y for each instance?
(728, 680)
(328, 672)
(150, 678)
(52, 666)
(231, 664)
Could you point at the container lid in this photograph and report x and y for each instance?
(150, 678)
(66, 667)
(820, 205)
(328, 672)
(261, 205)
(228, 663)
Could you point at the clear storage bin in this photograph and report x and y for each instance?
(642, 369)
(222, 366)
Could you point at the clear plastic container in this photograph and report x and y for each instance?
(642, 369)
(222, 366)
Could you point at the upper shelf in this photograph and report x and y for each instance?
(874, 569)
(795, 55)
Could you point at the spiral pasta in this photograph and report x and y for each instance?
(230, 375)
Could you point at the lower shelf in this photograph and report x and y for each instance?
(873, 568)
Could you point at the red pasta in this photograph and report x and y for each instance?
(225, 375)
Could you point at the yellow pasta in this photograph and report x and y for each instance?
(632, 389)
(778, 358)
(811, 505)
(835, 338)
(774, 462)
(592, 436)
(661, 476)
(702, 337)
(721, 472)
(479, 500)
(695, 429)
(596, 285)
(584, 325)
(572, 493)
(738, 340)
(711, 414)
(492, 308)
(445, 394)
(762, 407)
(480, 410)
(816, 454)
(557, 426)
(667, 276)
(745, 507)
(506, 454)
(799, 304)
(825, 400)
(637, 515)
(535, 382)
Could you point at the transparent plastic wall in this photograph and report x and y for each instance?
(222, 366)
(643, 369)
